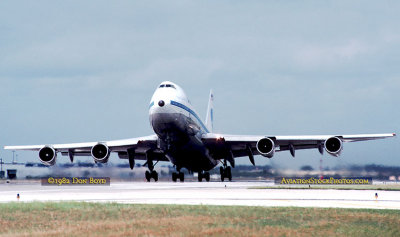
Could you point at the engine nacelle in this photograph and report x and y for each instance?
(266, 147)
(100, 153)
(48, 155)
(334, 146)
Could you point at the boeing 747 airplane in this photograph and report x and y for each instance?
(183, 139)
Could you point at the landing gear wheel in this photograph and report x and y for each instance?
(148, 175)
(225, 173)
(229, 173)
(181, 176)
(207, 176)
(200, 176)
(174, 176)
(154, 175)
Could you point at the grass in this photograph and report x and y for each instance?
(94, 219)
(382, 187)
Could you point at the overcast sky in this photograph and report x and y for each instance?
(76, 71)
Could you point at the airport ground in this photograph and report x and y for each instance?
(113, 219)
(239, 193)
(241, 208)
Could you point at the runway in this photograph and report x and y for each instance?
(194, 193)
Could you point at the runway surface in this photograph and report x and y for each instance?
(212, 193)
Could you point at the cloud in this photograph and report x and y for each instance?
(331, 56)
(276, 67)
(174, 69)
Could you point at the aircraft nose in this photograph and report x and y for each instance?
(161, 103)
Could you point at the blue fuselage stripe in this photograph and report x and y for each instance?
(182, 106)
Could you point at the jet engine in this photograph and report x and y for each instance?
(334, 146)
(100, 153)
(266, 147)
(48, 155)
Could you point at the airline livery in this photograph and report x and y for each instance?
(183, 139)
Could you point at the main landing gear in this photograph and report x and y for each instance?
(151, 173)
(225, 172)
(203, 175)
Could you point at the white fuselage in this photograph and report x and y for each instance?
(175, 102)
(179, 128)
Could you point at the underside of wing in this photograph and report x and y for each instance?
(223, 146)
(141, 148)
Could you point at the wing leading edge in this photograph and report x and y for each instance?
(115, 145)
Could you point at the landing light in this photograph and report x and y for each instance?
(161, 103)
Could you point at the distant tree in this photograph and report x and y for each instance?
(306, 168)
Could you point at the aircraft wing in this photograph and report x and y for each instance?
(223, 145)
(140, 145)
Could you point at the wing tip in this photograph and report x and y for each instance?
(394, 134)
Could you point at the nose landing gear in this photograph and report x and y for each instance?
(178, 175)
(203, 175)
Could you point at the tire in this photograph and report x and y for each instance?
(174, 176)
(154, 175)
(200, 177)
(182, 177)
(207, 176)
(229, 173)
(222, 173)
(148, 176)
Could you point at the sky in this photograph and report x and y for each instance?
(77, 71)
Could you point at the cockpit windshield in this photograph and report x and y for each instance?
(167, 85)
